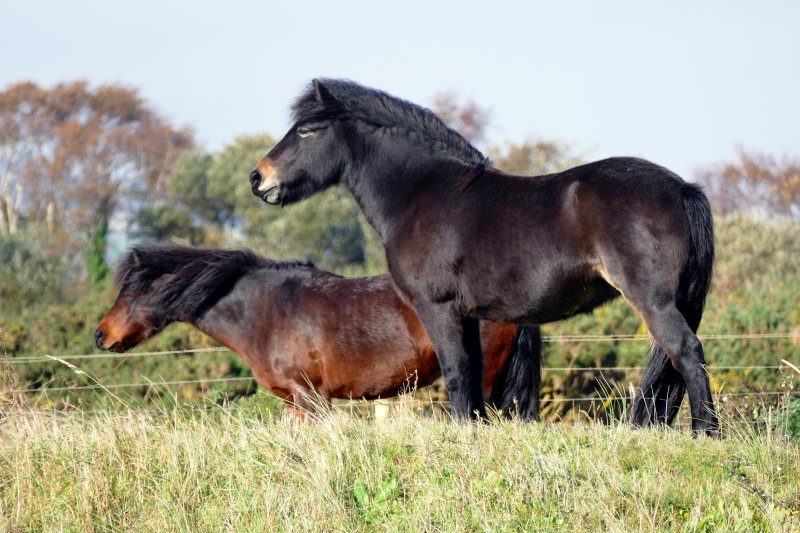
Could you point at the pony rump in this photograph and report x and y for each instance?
(198, 277)
(332, 99)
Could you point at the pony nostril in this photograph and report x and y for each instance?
(255, 178)
(99, 337)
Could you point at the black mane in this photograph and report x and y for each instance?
(200, 277)
(384, 110)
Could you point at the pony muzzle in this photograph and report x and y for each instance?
(102, 343)
(100, 339)
(264, 183)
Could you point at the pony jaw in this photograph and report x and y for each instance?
(272, 195)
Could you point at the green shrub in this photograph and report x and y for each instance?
(28, 274)
(788, 421)
(754, 254)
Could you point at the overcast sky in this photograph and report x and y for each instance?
(680, 83)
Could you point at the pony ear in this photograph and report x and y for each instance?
(322, 94)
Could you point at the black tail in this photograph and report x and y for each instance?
(696, 275)
(516, 390)
(663, 388)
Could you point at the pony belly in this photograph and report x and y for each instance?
(550, 305)
(382, 367)
(377, 385)
(584, 299)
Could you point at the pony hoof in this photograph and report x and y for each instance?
(708, 430)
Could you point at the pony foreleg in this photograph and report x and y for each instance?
(305, 403)
(457, 342)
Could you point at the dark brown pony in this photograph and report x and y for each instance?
(466, 242)
(305, 332)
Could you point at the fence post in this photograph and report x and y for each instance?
(381, 408)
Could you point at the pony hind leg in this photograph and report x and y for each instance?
(674, 340)
(661, 392)
(672, 333)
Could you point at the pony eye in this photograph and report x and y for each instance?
(304, 132)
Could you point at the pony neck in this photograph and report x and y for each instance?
(232, 319)
(396, 174)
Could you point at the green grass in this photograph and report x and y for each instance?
(233, 471)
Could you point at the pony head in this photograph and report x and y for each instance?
(310, 157)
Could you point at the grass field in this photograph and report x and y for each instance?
(231, 471)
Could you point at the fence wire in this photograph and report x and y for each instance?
(549, 339)
(45, 389)
(546, 338)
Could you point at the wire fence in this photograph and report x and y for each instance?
(549, 339)
(105, 355)
(130, 385)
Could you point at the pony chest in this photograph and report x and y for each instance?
(415, 257)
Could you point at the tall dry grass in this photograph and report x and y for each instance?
(222, 470)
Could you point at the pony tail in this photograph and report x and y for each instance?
(696, 276)
(515, 392)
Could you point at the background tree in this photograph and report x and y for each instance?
(189, 214)
(165, 222)
(534, 157)
(229, 187)
(755, 182)
(327, 230)
(467, 117)
(529, 157)
(73, 157)
(324, 229)
(209, 201)
(96, 253)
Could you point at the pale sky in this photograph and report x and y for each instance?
(681, 83)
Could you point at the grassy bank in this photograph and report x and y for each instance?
(232, 472)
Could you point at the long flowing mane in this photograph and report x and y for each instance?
(199, 277)
(384, 110)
